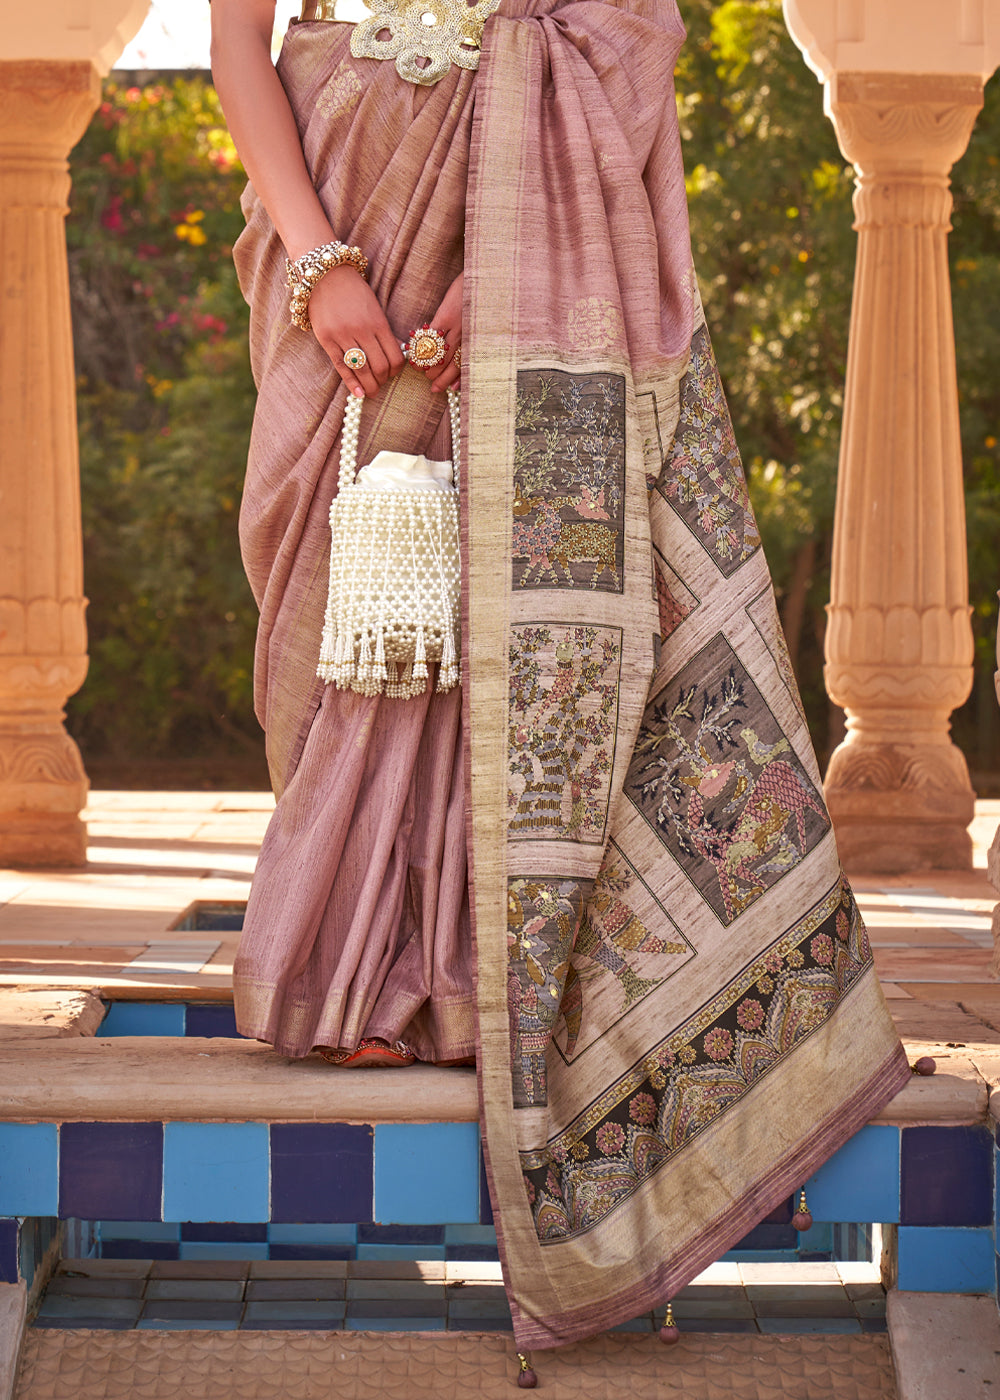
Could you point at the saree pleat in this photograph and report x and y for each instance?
(357, 922)
(677, 1017)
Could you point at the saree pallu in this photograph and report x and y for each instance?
(677, 1015)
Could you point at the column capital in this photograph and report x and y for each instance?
(94, 32)
(45, 106)
(896, 36)
(903, 123)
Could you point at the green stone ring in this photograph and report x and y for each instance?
(355, 358)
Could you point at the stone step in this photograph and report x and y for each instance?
(138, 1078)
(76, 1078)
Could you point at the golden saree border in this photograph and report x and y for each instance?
(679, 964)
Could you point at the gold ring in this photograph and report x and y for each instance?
(427, 347)
(355, 358)
(456, 359)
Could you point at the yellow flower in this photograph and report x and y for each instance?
(991, 442)
(182, 231)
(197, 236)
(196, 217)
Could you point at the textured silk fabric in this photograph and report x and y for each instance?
(677, 1015)
(358, 920)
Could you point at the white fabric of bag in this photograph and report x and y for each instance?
(399, 470)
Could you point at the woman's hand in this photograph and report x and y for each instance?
(448, 320)
(345, 314)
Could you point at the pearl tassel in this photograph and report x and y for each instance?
(420, 655)
(380, 673)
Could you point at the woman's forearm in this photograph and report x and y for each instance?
(261, 122)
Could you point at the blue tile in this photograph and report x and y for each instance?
(394, 1324)
(861, 1181)
(37, 1234)
(945, 1260)
(188, 1324)
(759, 1256)
(472, 1252)
(791, 1325)
(213, 1232)
(321, 1172)
(8, 1251)
(224, 1251)
(140, 1249)
(111, 1170)
(206, 1019)
(143, 1018)
(400, 1234)
(817, 1241)
(399, 1251)
(485, 1203)
(102, 1324)
(311, 1251)
(770, 1237)
(470, 1234)
(427, 1173)
(946, 1177)
(29, 1169)
(157, 1230)
(313, 1235)
(781, 1215)
(215, 1171)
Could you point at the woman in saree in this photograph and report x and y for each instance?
(604, 866)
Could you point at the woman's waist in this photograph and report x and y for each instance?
(356, 11)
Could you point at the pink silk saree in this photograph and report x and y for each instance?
(676, 1015)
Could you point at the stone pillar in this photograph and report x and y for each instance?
(44, 109)
(899, 641)
(903, 82)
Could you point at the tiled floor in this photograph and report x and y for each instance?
(152, 855)
(410, 1366)
(365, 1296)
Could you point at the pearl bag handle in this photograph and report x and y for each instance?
(352, 424)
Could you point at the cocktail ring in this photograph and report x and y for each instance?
(427, 347)
(355, 358)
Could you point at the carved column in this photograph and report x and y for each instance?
(44, 109)
(899, 642)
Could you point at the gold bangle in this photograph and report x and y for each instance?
(303, 274)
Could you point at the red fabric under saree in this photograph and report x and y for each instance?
(676, 1014)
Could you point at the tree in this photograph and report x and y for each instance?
(166, 398)
(770, 198)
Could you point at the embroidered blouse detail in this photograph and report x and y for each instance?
(425, 37)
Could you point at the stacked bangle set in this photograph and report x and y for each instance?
(427, 346)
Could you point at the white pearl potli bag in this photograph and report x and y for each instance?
(394, 570)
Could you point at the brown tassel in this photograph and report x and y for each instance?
(526, 1377)
(670, 1333)
(925, 1065)
(802, 1219)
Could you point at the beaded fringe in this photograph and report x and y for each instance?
(393, 600)
(391, 607)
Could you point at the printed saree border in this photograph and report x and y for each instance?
(729, 1228)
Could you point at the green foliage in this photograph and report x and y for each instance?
(165, 394)
(770, 199)
(165, 400)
